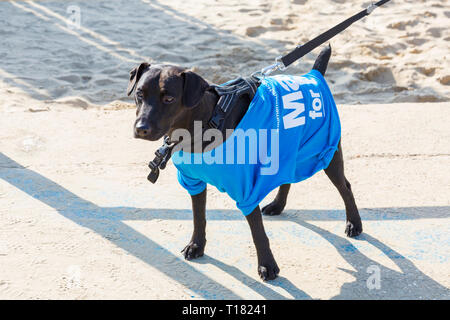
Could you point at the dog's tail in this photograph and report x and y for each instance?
(321, 63)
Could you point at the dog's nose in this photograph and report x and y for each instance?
(142, 129)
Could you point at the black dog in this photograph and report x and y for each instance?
(169, 98)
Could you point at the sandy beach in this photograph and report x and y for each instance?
(79, 220)
(399, 54)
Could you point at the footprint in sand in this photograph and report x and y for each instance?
(276, 21)
(379, 75)
(71, 78)
(428, 98)
(252, 12)
(430, 14)
(246, 10)
(340, 64)
(429, 72)
(415, 51)
(401, 25)
(76, 102)
(255, 31)
(304, 1)
(445, 80)
(435, 32)
(417, 41)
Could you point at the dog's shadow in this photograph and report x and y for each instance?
(409, 283)
(257, 286)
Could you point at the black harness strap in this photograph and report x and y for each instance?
(228, 94)
(300, 51)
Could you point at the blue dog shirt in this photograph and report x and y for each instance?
(290, 131)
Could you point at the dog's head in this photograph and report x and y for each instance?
(163, 94)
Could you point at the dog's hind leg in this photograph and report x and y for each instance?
(322, 60)
(196, 246)
(277, 205)
(335, 172)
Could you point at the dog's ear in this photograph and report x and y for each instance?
(194, 88)
(135, 75)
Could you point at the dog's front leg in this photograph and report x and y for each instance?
(196, 246)
(267, 266)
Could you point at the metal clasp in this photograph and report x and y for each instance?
(372, 7)
(278, 65)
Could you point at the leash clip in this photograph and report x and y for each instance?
(371, 8)
(278, 65)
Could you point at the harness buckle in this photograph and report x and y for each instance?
(160, 161)
(153, 175)
(215, 121)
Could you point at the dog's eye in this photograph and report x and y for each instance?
(168, 99)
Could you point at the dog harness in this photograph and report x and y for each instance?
(290, 131)
(229, 93)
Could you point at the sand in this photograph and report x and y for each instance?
(79, 220)
(398, 54)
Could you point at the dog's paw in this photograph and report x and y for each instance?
(193, 250)
(353, 229)
(268, 271)
(274, 208)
